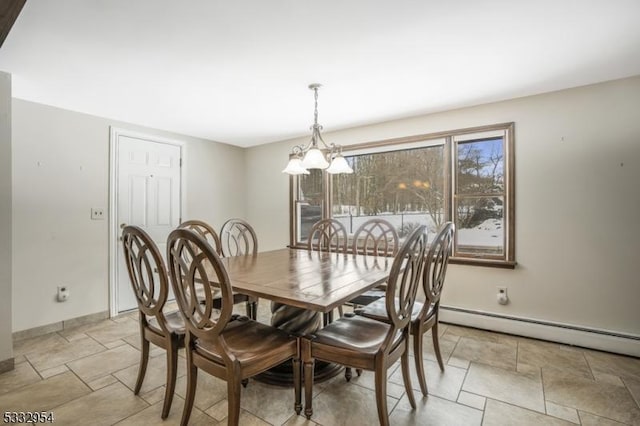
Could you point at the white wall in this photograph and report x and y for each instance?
(6, 344)
(61, 171)
(577, 202)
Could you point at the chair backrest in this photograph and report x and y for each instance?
(196, 273)
(328, 235)
(403, 282)
(435, 268)
(375, 237)
(238, 238)
(147, 273)
(205, 231)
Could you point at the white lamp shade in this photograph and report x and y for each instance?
(314, 159)
(339, 165)
(295, 167)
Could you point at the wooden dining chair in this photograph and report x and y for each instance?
(238, 238)
(425, 315)
(365, 343)
(211, 236)
(375, 237)
(229, 347)
(331, 236)
(205, 231)
(328, 235)
(148, 277)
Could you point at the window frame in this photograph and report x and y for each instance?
(451, 140)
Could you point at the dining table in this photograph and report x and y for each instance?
(304, 286)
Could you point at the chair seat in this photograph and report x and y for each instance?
(378, 310)
(357, 334)
(175, 323)
(237, 297)
(250, 341)
(367, 297)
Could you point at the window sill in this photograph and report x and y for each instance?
(491, 263)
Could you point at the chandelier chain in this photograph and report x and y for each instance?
(315, 113)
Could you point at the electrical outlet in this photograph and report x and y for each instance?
(502, 296)
(63, 293)
(97, 214)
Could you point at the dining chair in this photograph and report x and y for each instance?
(148, 277)
(375, 237)
(327, 235)
(229, 347)
(425, 315)
(331, 236)
(206, 231)
(365, 343)
(211, 236)
(238, 238)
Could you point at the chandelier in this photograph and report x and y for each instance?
(313, 155)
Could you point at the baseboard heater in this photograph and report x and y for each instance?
(592, 338)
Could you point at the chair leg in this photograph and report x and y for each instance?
(406, 378)
(172, 368)
(327, 318)
(233, 398)
(347, 374)
(252, 308)
(144, 360)
(297, 384)
(417, 355)
(192, 381)
(436, 345)
(381, 396)
(308, 377)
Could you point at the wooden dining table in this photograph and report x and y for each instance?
(302, 286)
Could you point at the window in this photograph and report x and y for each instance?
(465, 176)
(309, 202)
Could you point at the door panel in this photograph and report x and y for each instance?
(148, 185)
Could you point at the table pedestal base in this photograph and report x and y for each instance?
(299, 322)
(282, 375)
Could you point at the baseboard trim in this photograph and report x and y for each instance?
(7, 365)
(60, 325)
(592, 338)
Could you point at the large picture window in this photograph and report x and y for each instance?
(465, 176)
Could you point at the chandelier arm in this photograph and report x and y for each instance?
(298, 150)
(318, 135)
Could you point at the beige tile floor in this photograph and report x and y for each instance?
(85, 376)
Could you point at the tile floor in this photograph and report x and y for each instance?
(85, 376)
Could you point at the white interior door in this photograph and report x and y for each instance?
(148, 195)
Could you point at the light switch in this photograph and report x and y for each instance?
(97, 214)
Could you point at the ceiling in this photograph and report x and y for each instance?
(238, 71)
